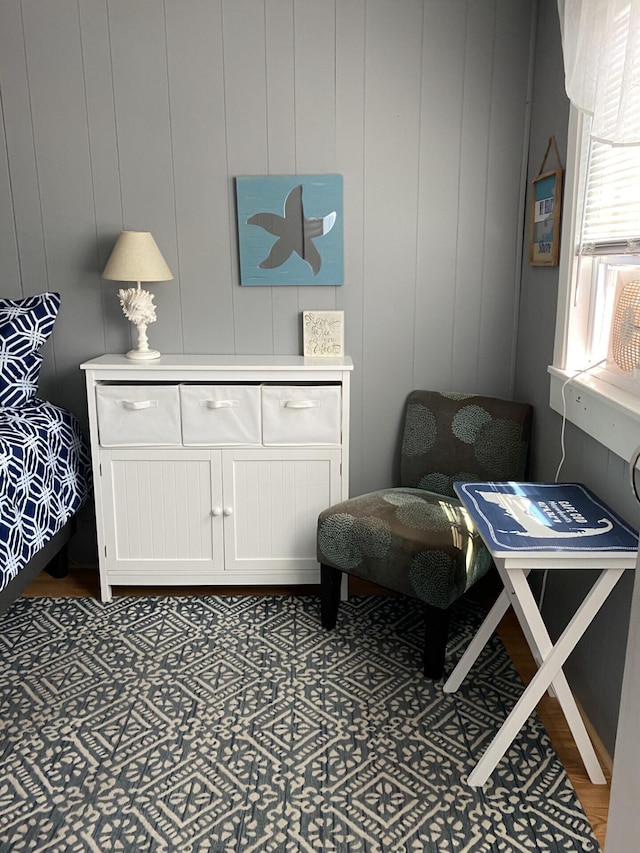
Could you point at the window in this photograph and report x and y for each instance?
(607, 259)
(598, 326)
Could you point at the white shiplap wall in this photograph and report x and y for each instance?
(120, 114)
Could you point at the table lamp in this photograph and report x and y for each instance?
(136, 257)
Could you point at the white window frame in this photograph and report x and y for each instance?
(608, 413)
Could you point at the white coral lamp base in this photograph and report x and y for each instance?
(142, 352)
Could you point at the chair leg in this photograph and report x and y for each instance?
(435, 640)
(330, 582)
(58, 566)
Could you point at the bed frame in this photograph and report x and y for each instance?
(53, 557)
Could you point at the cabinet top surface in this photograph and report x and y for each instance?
(218, 362)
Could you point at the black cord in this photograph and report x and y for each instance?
(632, 472)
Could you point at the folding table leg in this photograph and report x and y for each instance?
(475, 647)
(536, 652)
(547, 673)
(480, 640)
(529, 616)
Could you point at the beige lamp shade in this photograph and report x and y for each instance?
(136, 257)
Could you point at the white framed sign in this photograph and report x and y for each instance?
(323, 334)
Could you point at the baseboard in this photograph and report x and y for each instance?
(601, 751)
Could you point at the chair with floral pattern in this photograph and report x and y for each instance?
(417, 539)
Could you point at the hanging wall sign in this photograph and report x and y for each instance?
(290, 229)
(546, 206)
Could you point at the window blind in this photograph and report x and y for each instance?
(611, 223)
(611, 208)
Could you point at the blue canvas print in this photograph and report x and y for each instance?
(290, 229)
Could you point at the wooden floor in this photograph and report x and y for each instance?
(594, 798)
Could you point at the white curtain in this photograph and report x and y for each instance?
(601, 47)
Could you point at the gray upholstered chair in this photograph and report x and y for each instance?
(417, 539)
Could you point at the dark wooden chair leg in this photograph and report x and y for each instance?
(435, 640)
(58, 566)
(330, 582)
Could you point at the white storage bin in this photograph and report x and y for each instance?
(138, 415)
(299, 414)
(220, 414)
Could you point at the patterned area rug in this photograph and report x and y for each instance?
(236, 724)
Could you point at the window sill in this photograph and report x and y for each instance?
(608, 414)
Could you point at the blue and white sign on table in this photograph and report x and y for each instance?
(545, 517)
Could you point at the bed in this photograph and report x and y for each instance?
(45, 471)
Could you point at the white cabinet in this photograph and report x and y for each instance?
(212, 471)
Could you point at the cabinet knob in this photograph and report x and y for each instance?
(216, 511)
(228, 510)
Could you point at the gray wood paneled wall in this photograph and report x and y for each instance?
(596, 666)
(139, 113)
(121, 114)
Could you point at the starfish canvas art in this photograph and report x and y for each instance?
(290, 229)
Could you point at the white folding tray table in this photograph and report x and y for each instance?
(551, 526)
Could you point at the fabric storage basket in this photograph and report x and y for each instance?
(138, 415)
(298, 414)
(220, 414)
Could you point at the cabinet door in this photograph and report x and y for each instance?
(272, 498)
(158, 515)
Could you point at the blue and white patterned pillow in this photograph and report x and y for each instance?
(25, 324)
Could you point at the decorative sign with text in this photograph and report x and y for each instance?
(323, 334)
(546, 206)
(544, 517)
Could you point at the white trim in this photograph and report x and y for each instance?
(567, 242)
(609, 414)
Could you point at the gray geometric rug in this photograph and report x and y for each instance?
(237, 724)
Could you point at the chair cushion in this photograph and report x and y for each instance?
(25, 325)
(412, 541)
(451, 436)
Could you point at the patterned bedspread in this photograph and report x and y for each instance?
(45, 477)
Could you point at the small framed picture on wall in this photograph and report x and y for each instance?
(323, 334)
(546, 207)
